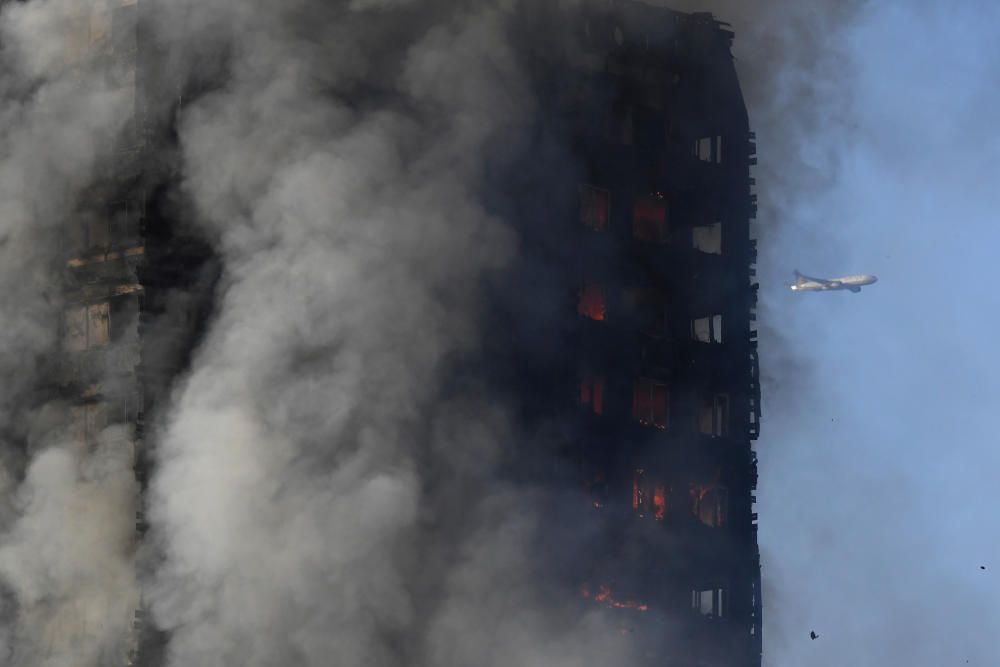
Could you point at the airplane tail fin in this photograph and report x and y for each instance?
(797, 274)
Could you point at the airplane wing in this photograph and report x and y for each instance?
(822, 281)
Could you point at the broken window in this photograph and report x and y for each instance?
(709, 601)
(649, 497)
(595, 207)
(713, 417)
(649, 218)
(592, 393)
(707, 329)
(709, 504)
(708, 238)
(591, 302)
(86, 326)
(708, 149)
(650, 403)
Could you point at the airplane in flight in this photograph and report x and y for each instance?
(851, 283)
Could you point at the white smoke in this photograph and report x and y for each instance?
(322, 495)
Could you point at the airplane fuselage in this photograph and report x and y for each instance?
(850, 283)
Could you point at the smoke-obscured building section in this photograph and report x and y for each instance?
(665, 382)
(657, 363)
(138, 282)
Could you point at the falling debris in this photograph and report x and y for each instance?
(813, 635)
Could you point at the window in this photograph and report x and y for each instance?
(597, 487)
(709, 149)
(648, 497)
(709, 504)
(713, 417)
(595, 207)
(592, 393)
(707, 329)
(708, 238)
(650, 403)
(651, 311)
(591, 302)
(649, 218)
(628, 126)
(86, 327)
(709, 601)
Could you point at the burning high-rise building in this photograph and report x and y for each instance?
(619, 339)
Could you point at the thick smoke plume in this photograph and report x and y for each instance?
(327, 488)
(66, 512)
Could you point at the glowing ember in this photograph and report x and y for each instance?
(592, 393)
(643, 501)
(650, 403)
(649, 219)
(604, 596)
(591, 304)
(660, 502)
(595, 207)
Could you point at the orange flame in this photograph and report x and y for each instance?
(591, 302)
(604, 597)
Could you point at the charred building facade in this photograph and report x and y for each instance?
(640, 265)
(656, 366)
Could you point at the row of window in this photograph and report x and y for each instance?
(651, 405)
(708, 503)
(652, 310)
(650, 219)
(709, 602)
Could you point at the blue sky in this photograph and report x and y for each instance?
(879, 488)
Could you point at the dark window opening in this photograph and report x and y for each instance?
(595, 207)
(709, 504)
(650, 403)
(713, 417)
(649, 219)
(592, 393)
(597, 487)
(651, 311)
